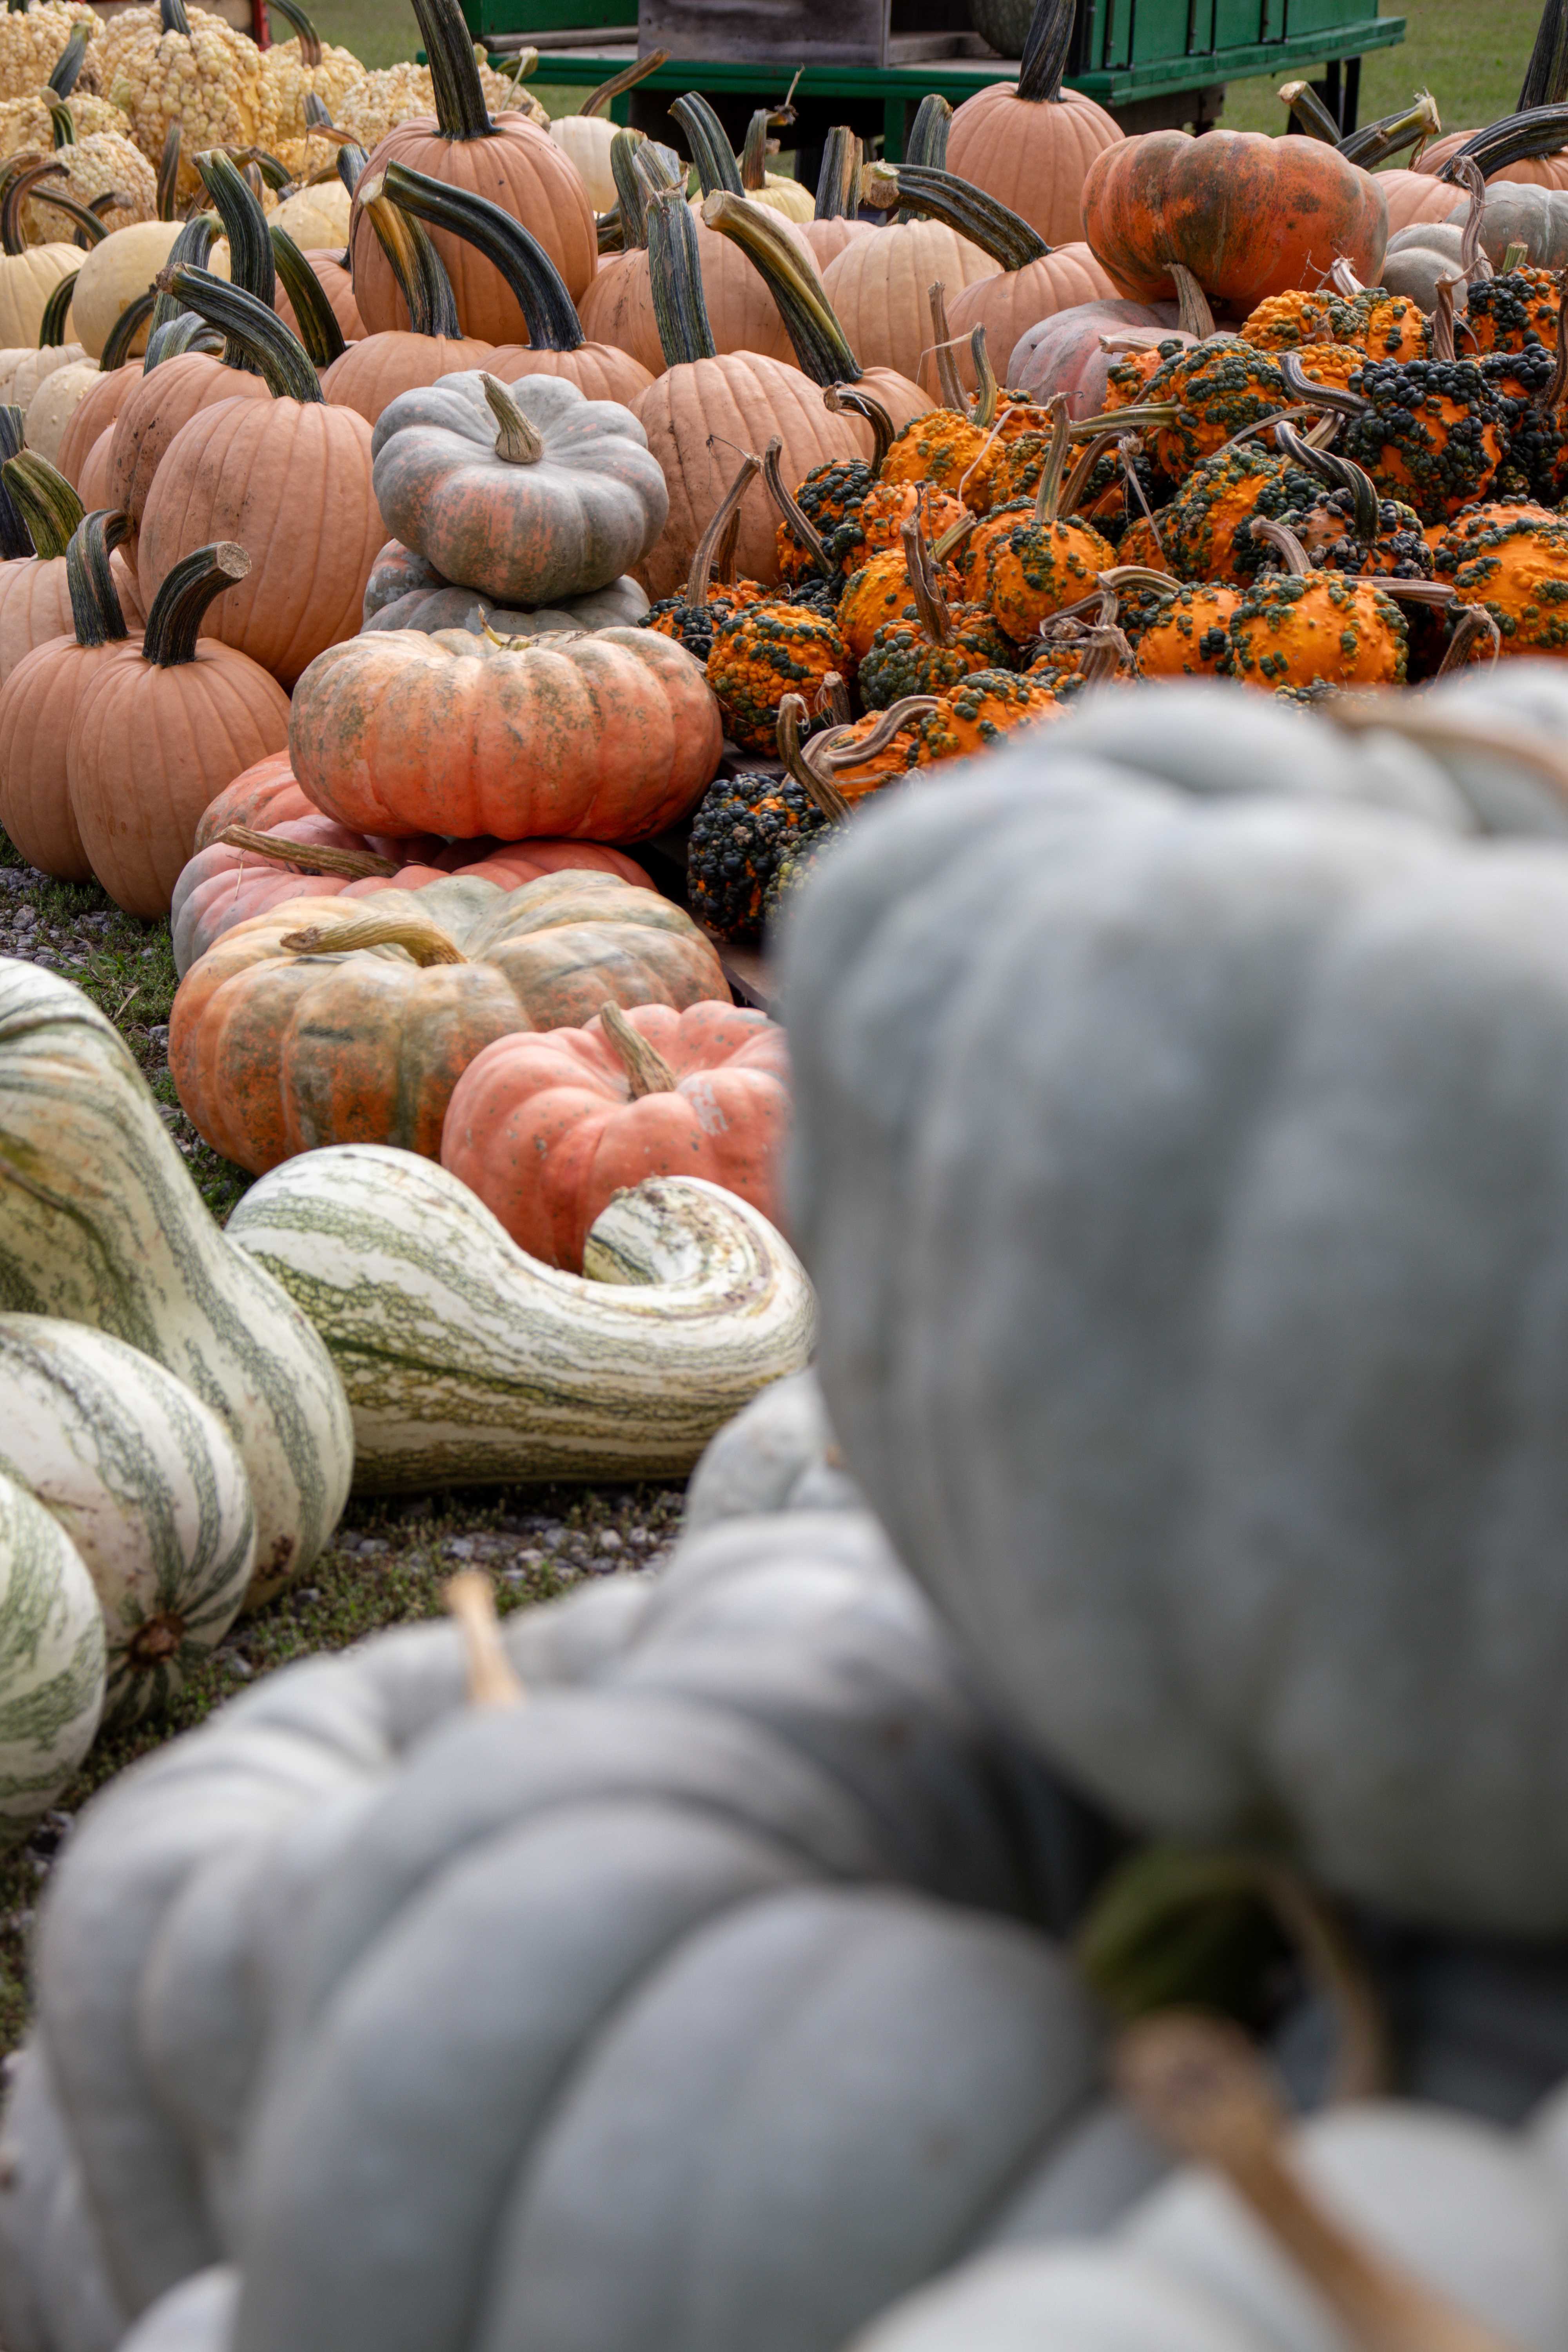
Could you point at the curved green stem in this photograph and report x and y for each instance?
(838, 182)
(250, 265)
(627, 78)
(22, 183)
(631, 189)
(1045, 51)
(983, 220)
(1307, 112)
(123, 333)
(350, 166)
(194, 244)
(821, 345)
(62, 125)
(710, 144)
(298, 24)
(276, 356)
(1541, 130)
(460, 106)
(45, 501)
(548, 309)
(69, 63)
(174, 623)
(674, 276)
(418, 268)
(172, 17)
(57, 310)
(318, 329)
(95, 601)
(14, 539)
(1374, 142)
(183, 332)
(1338, 474)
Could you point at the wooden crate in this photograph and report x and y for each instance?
(241, 14)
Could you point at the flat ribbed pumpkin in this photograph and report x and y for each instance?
(325, 1022)
(547, 1129)
(39, 698)
(160, 729)
(289, 478)
(608, 737)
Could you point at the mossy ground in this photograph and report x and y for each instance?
(390, 1559)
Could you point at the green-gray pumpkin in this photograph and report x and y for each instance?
(1185, 1183)
(404, 591)
(1519, 213)
(527, 492)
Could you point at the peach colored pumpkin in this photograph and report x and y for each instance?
(1030, 143)
(373, 371)
(1532, 170)
(39, 698)
(160, 729)
(740, 310)
(92, 416)
(1413, 197)
(339, 287)
(881, 287)
(511, 159)
(152, 413)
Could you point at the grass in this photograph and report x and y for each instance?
(1471, 54)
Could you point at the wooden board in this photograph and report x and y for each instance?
(787, 32)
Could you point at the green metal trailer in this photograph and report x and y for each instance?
(1150, 62)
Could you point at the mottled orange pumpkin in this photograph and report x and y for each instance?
(763, 652)
(1298, 626)
(1189, 634)
(1284, 322)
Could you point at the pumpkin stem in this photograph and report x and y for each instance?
(1045, 51)
(710, 144)
(789, 508)
(1339, 474)
(417, 267)
(15, 542)
(1443, 348)
(753, 156)
(821, 345)
(460, 95)
(1473, 259)
(415, 934)
(95, 612)
(838, 182)
(1089, 457)
(185, 332)
(947, 380)
(50, 507)
(926, 148)
(954, 536)
(1285, 544)
(1047, 497)
(169, 175)
(724, 518)
(318, 329)
(925, 584)
(1514, 256)
(1194, 315)
(1539, 130)
(250, 265)
(1374, 142)
(647, 1072)
(986, 222)
(1412, 591)
(1307, 113)
(180, 606)
(675, 279)
(300, 24)
(1137, 575)
(280, 357)
(62, 125)
(22, 178)
(493, 1680)
(52, 327)
(1473, 621)
(988, 394)
(310, 857)
(833, 751)
(820, 790)
(1546, 76)
(627, 78)
(1306, 389)
(518, 440)
(841, 396)
(172, 18)
(69, 63)
(631, 189)
(833, 701)
(540, 293)
(195, 245)
(351, 161)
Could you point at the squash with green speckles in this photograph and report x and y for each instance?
(763, 652)
(51, 1660)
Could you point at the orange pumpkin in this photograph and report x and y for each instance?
(1300, 626)
(547, 1128)
(1188, 634)
(160, 729)
(336, 284)
(288, 478)
(1413, 197)
(92, 416)
(602, 737)
(373, 371)
(297, 1031)
(1042, 561)
(38, 697)
(1030, 143)
(511, 160)
(1250, 215)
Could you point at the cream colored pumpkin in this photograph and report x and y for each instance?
(881, 287)
(54, 404)
(113, 275)
(584, 139)
(783, 194)
(23, 369)
(317, 218)
(26, 281)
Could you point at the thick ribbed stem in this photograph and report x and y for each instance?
(821, 346)
(1442, 347)
(700, 579)
(57, 310)
(675, 279)
(753, 156)
(318, 329)
(947, 379)
(631, 189)
(1546, 76)
(931, 605)
(415, 934)
(627, 78)
(460, 95)
(117, 344)
(647, 1072)
(278, 357)
(419, 270)
(169, 175)
(309, 857)
(45, 501)
(517, 441)
(1374, 142)
(250, 263)
(174, 623)
(69, 63)
(1542, 131)
(300, 24)
(547, 308)
(1047, 497)
(1307, 112)
(838, 182)
(833, 702)
(351, 161)
(927, 146)
(95, 603)
(943, 197)
(62, 125)
(185, 332)
(1046, 50)
(193, 245)
(1473, 261)
(1194, 315)
(841, 396)
(710, 145)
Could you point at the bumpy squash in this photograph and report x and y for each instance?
(147, 1483)
(504, 1367)
(51, 1660)
(101, 1223)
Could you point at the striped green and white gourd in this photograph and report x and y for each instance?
(148, 1485)
(466, 1362)
(102, 1224)
(51, 1660)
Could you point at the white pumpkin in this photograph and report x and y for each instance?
(585, 140)
(51, 1660)
(316, 218)
(22, 372)
(116, 273)
(54, 404)
(147, 1483)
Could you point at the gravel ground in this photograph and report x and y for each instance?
(390, 1559)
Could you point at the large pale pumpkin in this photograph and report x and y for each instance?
(1030, 143)
(331, 1021)
(881, 287)
(611, 736)
(510, 160)
(37, 701)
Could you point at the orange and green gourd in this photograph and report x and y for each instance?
(1513, 311)
(1516, 568)
(691, 617)
(1218, 389)
(987, 705)
(1284, 322)
(1345, 525)
(1300, 625)
(1035, 566)
(1206, 531)
(763, 652)
(1188, 633)
(1429, 432)
(939, 646)
(744, 828)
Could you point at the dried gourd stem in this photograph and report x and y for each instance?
(988, 395)
(1342, 277)
(309, 857)
(1551, 395)
(1412, 591)
(647, 1072)
(1126, 453)
(518, 440)
(789, 508)
(618, 84)
(832, 750)
(1047, 497)
(1309, 113)
(1195, 316)
(493, 1680)
(756, 149)
(1089, 457)
(1443, 348)
(1107, 653)
(1198, 2083)
(1514, 256)
(725, 517)
(1285, 543)
(421, 939)
(820, 790)
(947, 378)
(1474, 620)
(1306, 389)
(1339, 474)
(833, 701)
(849, 397)
(925, 586)
(954, 536)
(1473, 260)
(1137, 576)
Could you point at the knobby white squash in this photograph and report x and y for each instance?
(51, 1660)
(465, 1360)
(147, 1483)
(101, 1223)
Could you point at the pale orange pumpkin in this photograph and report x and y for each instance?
(39, 698)
(1030, 143)
(159, 730)
(881, 287)
(336, 284)
(511, 159)
(1413, 197)
(92, 416)
(373, 371)
(289, 477)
